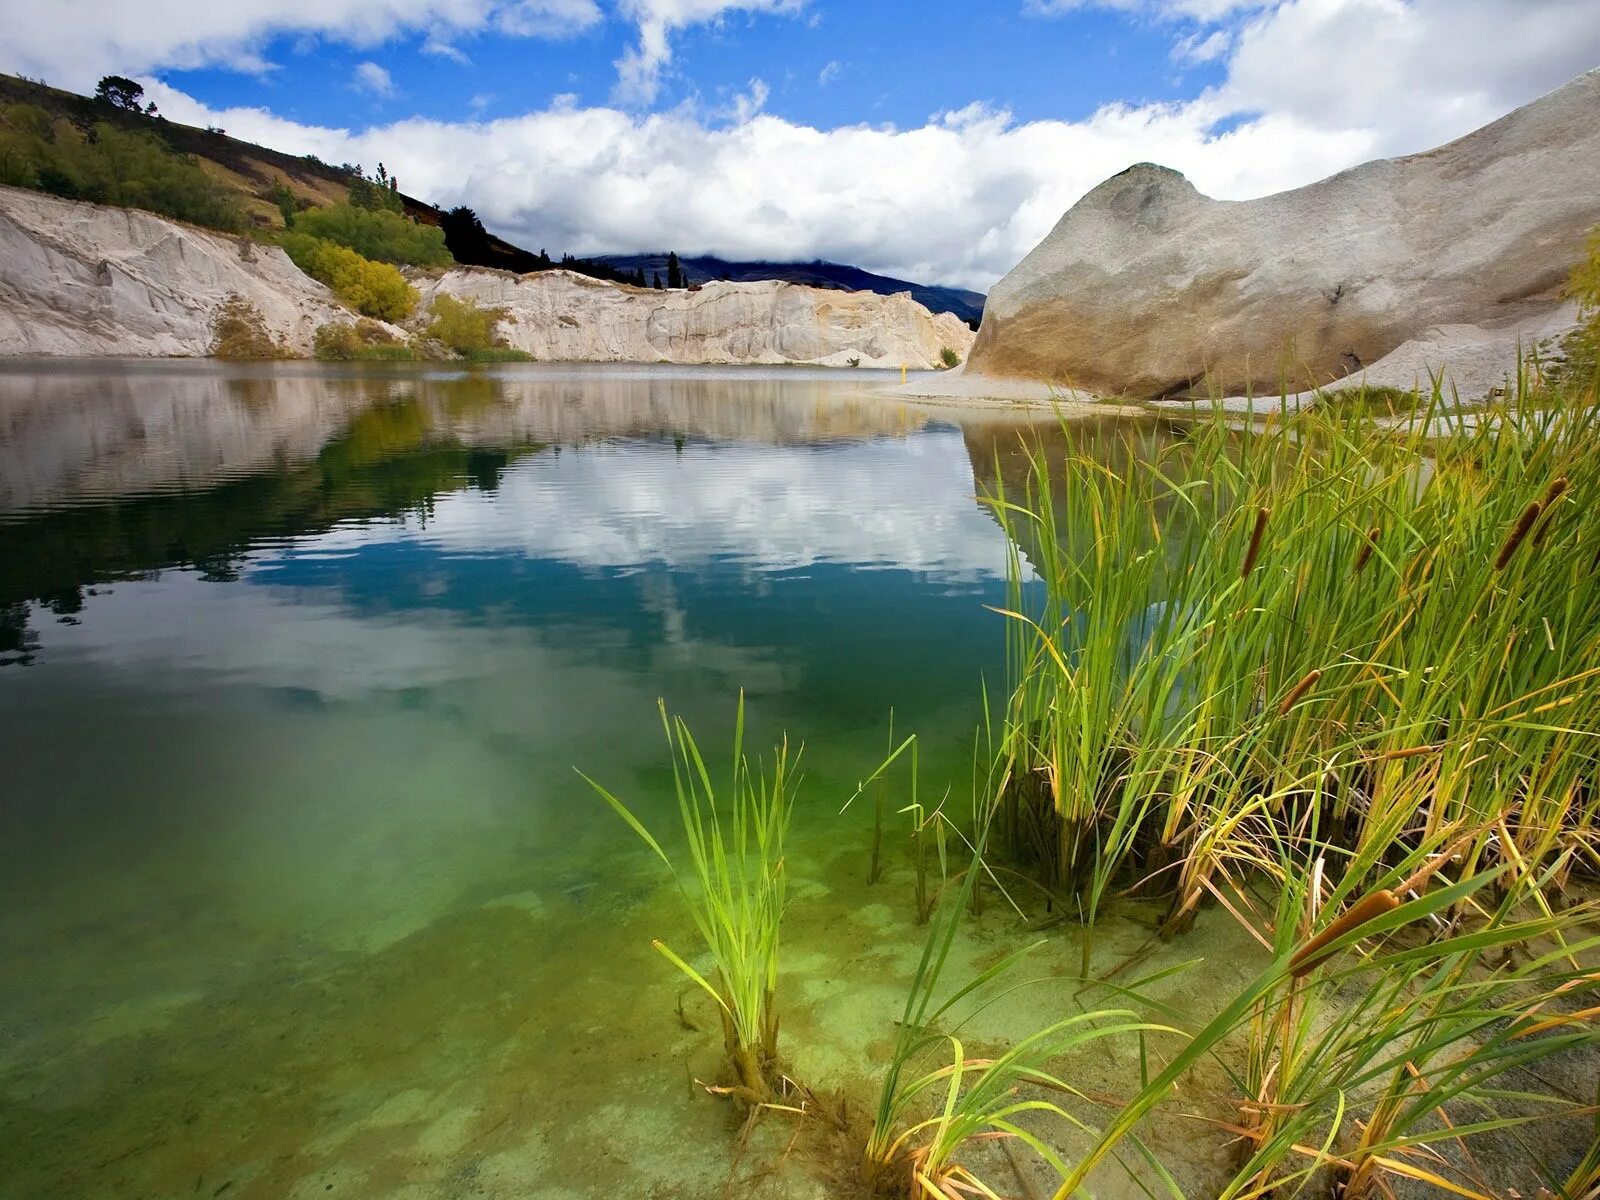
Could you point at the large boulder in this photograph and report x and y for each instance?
(1148, 288)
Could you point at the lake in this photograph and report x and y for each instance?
(302, 893)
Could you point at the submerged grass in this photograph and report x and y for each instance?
(735, 890)
(1334, 674)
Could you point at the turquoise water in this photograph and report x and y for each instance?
(301, 893)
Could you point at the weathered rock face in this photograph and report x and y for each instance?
(1147, 288)
(85, 279)
(559, 316)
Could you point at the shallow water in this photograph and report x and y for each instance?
(299, 892)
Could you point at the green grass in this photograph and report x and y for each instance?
(735, 889)
(1322, 612)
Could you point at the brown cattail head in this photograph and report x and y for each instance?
(1518, 532)
(1367, 547)
(1551, 495)
(1299, 690)
(1369, 908)
(1255, 543)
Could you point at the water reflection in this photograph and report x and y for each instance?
(301, 663)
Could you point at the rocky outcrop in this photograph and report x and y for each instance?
(85, 279)
(563, 317)
(1148, 288)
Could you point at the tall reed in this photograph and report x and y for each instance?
(1401, 615)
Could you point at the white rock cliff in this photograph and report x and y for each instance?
(559, 316)
(82, 279)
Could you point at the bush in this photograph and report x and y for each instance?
(378, 234)
(132, 168)
(239, 332)
(949, 358)
(361, 341)
(469, 330)
(373, 289)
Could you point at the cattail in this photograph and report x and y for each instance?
(1299, 690)
(1255, 543)
(1315, 952)
(1367, 548)
(1551, 495)
(1520, 531)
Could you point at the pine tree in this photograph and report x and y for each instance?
(674, 271)
(658, 281)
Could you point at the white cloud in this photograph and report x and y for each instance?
(370, 77)
(960, 199)
(73, 44)
(1416, 72)
(639, 69)
(1310, 87)
(1200, 47)
(443, 49)
(829, 73)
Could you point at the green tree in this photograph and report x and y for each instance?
(464, 235)
(284, 199)
(674, 271)
(120, 92)
(658, 281)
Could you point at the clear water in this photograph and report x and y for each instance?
(299, 891)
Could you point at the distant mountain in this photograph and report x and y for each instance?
(964, 304)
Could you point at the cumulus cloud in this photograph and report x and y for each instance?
(640, 67)
(73, 44)
(370, 77)
(963, 196)
(960, 199)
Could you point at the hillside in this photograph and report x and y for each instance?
(249, 174)
(964, 304)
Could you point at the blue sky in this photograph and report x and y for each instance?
(826, 65)
(932, 140)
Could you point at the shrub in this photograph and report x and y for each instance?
(468, 329)
(949, 358)
(360, 341)
(239, 332)
(377, 233)
(132, 168)
(373, 289)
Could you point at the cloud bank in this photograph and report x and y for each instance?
(1309, 87)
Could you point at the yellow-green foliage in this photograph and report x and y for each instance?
(239, 332)
(373, 289)
(129, 167)
(359, 341)
(949, 358)
(463, 325)
(377, 233)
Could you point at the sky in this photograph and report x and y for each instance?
(928, 139)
